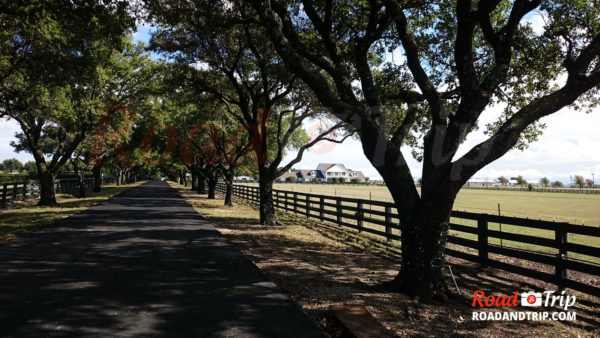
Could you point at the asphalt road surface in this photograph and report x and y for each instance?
(141, 264)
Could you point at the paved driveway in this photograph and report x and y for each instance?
(143, 263)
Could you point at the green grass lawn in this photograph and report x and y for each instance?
(21, 220)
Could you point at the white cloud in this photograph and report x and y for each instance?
(8, 128)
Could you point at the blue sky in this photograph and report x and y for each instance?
(569, 146)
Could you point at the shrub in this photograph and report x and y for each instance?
(5, 177)
(355, 180)
(292, 179)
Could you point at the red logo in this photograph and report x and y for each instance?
(480, 299)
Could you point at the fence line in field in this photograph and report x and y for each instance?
(472, 243)
(472, 187)
(19, 191)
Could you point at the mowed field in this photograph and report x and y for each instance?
(581, 209)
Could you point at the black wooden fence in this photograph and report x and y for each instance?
(19, 191)
(561, 251)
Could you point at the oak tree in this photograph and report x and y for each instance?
(421, 73)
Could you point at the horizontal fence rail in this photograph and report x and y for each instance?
(20, 191)
(560, 251)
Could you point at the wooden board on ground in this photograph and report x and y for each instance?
(359, 322)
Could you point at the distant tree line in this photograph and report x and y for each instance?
(577, 181)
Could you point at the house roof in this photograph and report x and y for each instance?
(359, 174)
(326, 166)
(288, 174)
(305, 174)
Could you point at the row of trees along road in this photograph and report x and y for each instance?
(53, 63)
(415, 73)
(241, 78)
(238, 66)
(83, 94)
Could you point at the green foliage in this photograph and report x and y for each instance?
(51, 66)
(355, 180)
(12, 165)
(503, 180)
(30, 167)
(544, 181)
(520, 180)
(6, 177)
(579, 181)
(557, 184)
(242, 72)
(291, 179)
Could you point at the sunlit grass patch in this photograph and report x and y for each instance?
(21, 220)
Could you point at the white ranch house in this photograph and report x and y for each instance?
(325, 172)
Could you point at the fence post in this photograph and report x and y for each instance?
(276, 199)
(388, 222)
(482, 239)
(560, 269)
(359, 216)
(338, 203)
(14, 192)
(4, 192)
(295, 202)
(307, 205)
(321, 208)
(25, 190)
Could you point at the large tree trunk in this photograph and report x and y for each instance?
(119, 177)
(194, 179)
(47, 196)
(212, 186)
(201, 185)
(424, 236)
(97, 177)
(424, 230)
(229, 187)
(80, 179)
(266, 207)
(183, 178)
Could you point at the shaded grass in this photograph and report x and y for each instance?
(14, 222)
(320, 266)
